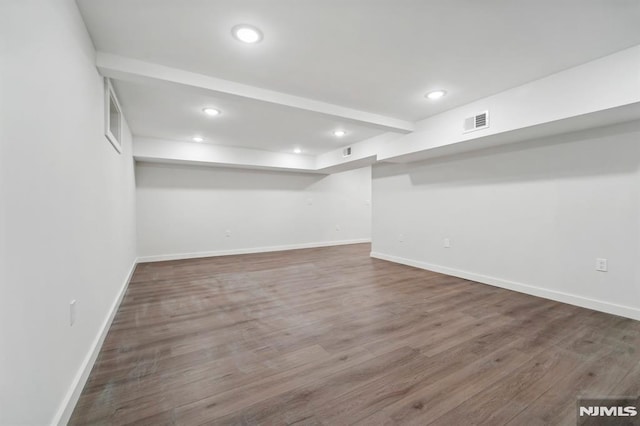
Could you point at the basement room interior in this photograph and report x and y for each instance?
(363, 212)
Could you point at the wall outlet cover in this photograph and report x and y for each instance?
(72, 312)
(601, 265)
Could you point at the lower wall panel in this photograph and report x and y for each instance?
(533, 217)
(571, 299)
(186, 211)
(73, 394)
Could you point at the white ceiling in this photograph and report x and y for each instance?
(173, 113)
(378, 56)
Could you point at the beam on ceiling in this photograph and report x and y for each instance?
(173, 152)
(122, 68)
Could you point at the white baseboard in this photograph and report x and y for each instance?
(71, 398)
(572, 299)
(179, 256)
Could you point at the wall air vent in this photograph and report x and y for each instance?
(476, 122)
(346, 152)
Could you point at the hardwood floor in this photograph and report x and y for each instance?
(331, 336)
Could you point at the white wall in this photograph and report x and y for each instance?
(532, 216)
(185, 211)
(67, 209)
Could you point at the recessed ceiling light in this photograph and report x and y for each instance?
(339, 133)
(297, 150)
(436, 94)
(197, 139)
(247, 33)
(211, 111)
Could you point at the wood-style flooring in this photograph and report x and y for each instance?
(331, 336)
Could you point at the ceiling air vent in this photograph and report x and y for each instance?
(346, 152)
(476, 122)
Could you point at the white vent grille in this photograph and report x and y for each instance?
(346, 152)
(476, 122)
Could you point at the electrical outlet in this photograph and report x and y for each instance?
(227, 233)
(446, 243)
(401, 237)
(72, 312)
(337, 227)
(309, 201)
(601, 265)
